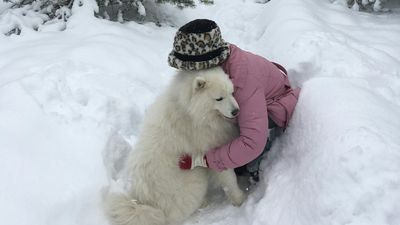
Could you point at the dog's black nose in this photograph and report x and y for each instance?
(235, 112)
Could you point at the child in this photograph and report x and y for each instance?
(262, 90)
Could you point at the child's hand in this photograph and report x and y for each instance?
(186, 162)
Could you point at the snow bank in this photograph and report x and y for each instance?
(62, 96)
(339, 162)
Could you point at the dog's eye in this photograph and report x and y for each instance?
(219, 99)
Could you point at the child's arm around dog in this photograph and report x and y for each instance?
(262, 90)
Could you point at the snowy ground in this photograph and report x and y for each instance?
(67, 98)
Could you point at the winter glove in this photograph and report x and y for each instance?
(186, 162)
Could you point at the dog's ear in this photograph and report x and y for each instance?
(199, 83)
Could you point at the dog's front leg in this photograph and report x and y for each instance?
(227, 180)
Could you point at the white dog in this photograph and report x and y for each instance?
(195, 114)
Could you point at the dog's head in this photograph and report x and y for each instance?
(212, 93)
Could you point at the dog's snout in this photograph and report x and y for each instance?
(235, 112)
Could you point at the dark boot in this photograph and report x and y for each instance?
(254, 177)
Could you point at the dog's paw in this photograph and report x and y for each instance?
(237, 198)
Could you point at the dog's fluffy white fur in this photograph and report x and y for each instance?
(195, 113)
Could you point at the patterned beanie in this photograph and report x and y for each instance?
(198, 45)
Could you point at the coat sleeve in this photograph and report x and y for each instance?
(253, 125)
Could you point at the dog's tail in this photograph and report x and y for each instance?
(123, 210)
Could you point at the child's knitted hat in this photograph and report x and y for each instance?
(198, 45)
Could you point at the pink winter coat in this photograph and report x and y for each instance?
(262, 90)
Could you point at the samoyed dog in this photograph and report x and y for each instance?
(195, 113)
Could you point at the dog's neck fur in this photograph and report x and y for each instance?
(207, 122)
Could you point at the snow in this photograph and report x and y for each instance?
(72, 100)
